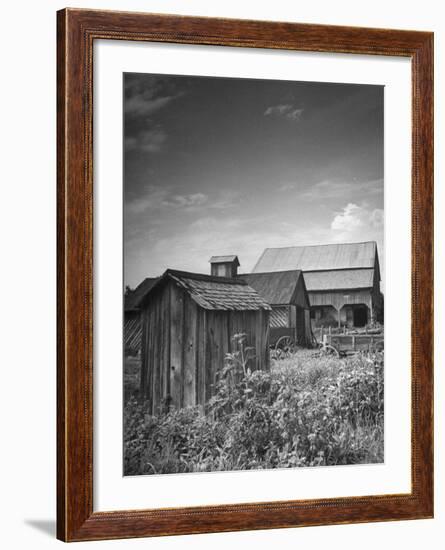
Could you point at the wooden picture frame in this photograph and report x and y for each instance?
(77, 31)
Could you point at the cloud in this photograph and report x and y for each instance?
(146, 94)
(157, 198)
(377, 218)
(148, 141)
(139, 105)
(358, 223)
(349, 219)
(328, 189)
(226, 199)
(153, 198)
(288, 111)
(353, 216)
(181, 201)
(287, 187)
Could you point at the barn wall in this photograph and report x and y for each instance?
(155, 350)
(308, 327)
(301, 297)
(335, 302)
(340, 298)
(377, 299)
(300, 324)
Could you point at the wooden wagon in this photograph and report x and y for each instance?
(348, 344)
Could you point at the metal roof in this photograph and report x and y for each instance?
(216, 293)
(339, 280)
(134, 298)
(223, 259)
(318, 257)
(279, 287)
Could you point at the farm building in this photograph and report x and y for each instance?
(342, 280)
(188, 321)
(285, 292)
(132, 316)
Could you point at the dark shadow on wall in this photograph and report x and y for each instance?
(47, 526)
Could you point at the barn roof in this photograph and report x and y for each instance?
(339, 280)
(134, 298)
(279, 287)
(318, 257)
(223, 259)
(216, 293)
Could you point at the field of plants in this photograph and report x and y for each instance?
(309, 410)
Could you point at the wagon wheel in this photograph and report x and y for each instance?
(284, 347)
(330, 350)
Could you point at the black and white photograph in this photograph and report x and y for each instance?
(253, 299)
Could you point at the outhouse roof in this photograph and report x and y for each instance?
(216, 293)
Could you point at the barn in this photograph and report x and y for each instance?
(188, 320)
(132, 316)
(285, 292)
(342, 280)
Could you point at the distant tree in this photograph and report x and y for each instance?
(128, 290)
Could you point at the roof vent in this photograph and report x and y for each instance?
(224, 266)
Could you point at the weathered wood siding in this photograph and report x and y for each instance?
(184, 347)
(155, 351)
(301, 297)
(340, 298)
(300, 324)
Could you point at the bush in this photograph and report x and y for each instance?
(307, 411)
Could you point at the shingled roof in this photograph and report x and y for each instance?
(279, 287)
(318, 257)
(215, 293)
(134, 298)
(339, 280)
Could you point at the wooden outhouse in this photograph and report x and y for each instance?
(285, 292)
(188, 321)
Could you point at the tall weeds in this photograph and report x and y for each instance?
(307, 411)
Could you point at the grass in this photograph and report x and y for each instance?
(309, 410)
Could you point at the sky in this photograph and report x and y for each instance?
(218, 166)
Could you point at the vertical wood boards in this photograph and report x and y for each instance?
(201, 342)
(307, 324)
(210, 354)
(176, 345)
(156, 353)
(190, 350)
(144, 363)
